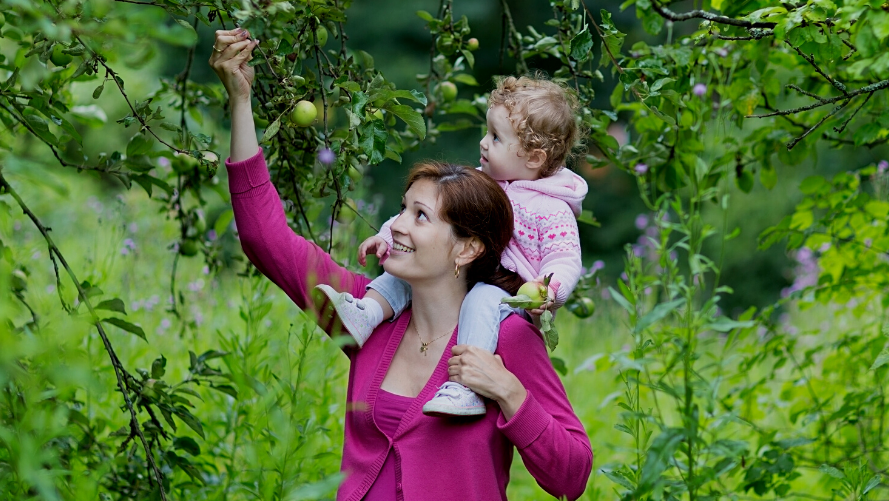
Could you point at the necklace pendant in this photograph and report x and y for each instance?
(423, 348)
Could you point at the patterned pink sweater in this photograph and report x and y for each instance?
(436, 459)
(544, 236)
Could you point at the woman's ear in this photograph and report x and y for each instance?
(470, 250)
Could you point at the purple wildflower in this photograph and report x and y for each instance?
(211, 235)
(882, 166)
(598, 265)
(641, 169)
(326, 156)
(699, 89)
(641, 221)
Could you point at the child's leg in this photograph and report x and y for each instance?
(393, 294)
(479, 325)
(480, 316)
(386, 296)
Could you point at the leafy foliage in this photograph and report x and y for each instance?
(711, 405)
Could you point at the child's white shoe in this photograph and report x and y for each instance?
(359, 317)
(454, 399)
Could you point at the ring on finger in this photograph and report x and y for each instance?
(217, 50)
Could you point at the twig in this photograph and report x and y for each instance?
(708, 16)
(515, 40)
(805, 92)
(119, 371)
(843, 127)
(836, 110)
(607, 49)
(811, 60)
(864, 90)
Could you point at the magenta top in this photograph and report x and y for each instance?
(434, 458)
(388, 412)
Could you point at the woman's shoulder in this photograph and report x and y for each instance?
(517, 333)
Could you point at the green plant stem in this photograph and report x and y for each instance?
(116, 364)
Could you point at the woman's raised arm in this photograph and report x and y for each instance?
(232, 50)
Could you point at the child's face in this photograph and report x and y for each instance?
(502, 156)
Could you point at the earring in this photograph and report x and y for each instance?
(456, 270)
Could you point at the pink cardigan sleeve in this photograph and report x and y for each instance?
(287, 259)
(560, 251)
(548, 435)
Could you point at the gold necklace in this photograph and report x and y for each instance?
(424, 347)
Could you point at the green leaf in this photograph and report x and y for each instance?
(112, 305)
(412, 118)
(658, 312)
(658, 459)
(372, 139)
(725, 324)
(139, 145)
(422, 14)
(223, 222)
(39, 127)
(188, 36)
(520, 301)
(188, 445)
(465, 79)
(882, 358)
(469, 57)
(833, 472)
(559, 365)
(189, 420)
(872, 484)
(271, 130)
(98, 91)
(621, 301)
(586, 217)
(131, 328)
(581, 45)
(227, 389)
(550, 334)
(158, 367)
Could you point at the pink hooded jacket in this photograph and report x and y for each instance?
(544, 235)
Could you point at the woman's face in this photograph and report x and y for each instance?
(424, 247)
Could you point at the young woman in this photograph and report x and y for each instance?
(391, 449)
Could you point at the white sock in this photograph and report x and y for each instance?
(374, 311)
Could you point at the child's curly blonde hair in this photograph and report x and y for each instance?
(543, 114)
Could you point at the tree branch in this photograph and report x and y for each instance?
(708, 16)
(836, 110)
(864, 90)
(119, 370)
(514, 39)
(811, 60)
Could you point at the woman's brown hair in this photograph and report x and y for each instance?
(476, 207)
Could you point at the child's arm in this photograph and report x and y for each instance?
(560, 253)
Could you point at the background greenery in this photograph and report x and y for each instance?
(730, 367)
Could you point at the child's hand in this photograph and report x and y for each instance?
(374, 245)
(550, 298)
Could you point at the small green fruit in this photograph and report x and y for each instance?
(198, 221)
(472, 44)
(354, 174)
(2, 20)
(189, 247)
(448, 91)
(58, 57)
(184, 164)
(583, 308)
(347, 214)
(536, 291)
(304, 113)
(322, 36)
(378, 114)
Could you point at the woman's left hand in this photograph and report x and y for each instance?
(484, 373)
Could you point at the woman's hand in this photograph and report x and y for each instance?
(484, 373)
(232, 50)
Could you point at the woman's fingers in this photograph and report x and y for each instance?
(223, 41)
(234, 50)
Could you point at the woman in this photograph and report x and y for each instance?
(455, 223)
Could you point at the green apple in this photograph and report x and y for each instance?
(448, 91)
(58, 57)
(378, 114)
(583, 308)
(472, 44)
(347, 214)
(304, 113)
(354, 174)
(189, 247)
(183, 163)
(322, 36)
(536, 291)
(2, 20)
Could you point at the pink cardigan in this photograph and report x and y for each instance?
(436, 459)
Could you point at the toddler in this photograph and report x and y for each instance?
(531, 130)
